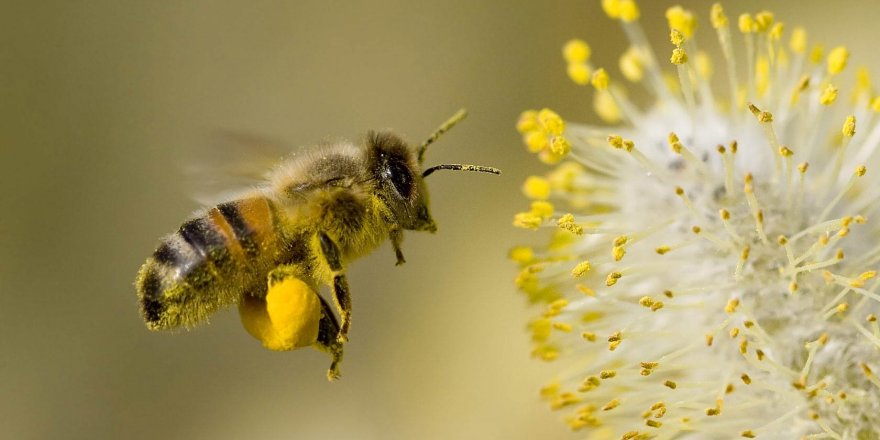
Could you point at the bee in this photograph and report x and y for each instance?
(272, 249)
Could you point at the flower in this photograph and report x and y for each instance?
(711, 271)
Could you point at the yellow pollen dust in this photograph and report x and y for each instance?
(849, 126)
(679, 56)
(581, 269)
(829, 95)
(567, 223)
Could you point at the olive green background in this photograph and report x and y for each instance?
(100, 99)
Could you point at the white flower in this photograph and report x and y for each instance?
(711, 271)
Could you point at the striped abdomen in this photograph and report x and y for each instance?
(209, 263)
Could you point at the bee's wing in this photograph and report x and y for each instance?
(230, 164)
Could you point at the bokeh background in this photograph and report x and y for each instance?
(98, 101)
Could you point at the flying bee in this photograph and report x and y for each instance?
(271, 250)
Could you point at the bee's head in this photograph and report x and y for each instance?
(397, 170)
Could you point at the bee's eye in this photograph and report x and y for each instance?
(401, 178)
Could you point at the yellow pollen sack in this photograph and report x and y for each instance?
(286, 319)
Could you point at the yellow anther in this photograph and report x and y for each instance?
(843, 232)
(679, 191)
(713, 411)
(734, 332)
(631, 65)
(776, 31)
(782, 240)
(527, 220)
(615, 141)
(746, 24)
(562, 326)
(618, 252)
(653, 423)
(704, 65)
(861, 170)
(620, 240)
(527, 122)
(542, 209)
(679, 56)
(522, 254)
(676, 37)
(536, 140)
(748, 324)
(613, 345)
(731, 305)
(746, 379)
(763, 21)
(611, 405)
(785, 151)
(682, 20)
(606, 107)
(567, 223)
(657, 306)
(536, 188)
(600, 79)
(860, 220)
(875, 104)
(729, 388)
(849, 126)
(724, 214)
(612, 278)
(607, 374)
(747, 434)
(696, 229)
(579, 73)
(616, 336)
(829, 94)
(842, 308)
(744, 254)
(551, 122)
(646, 301)
(670, 384)
(823, 339)
(558, 305)
(816, 53)
(709, 340)
(560, 145)
(629, 10)
(717, 16)
(793, 287)
(759, 354)
(662, 250)
(798, 41)
(576, 51)
(871, 318)
(837, 59)
(585, 290)
(589, 336)
(581, 269)
(803, 167)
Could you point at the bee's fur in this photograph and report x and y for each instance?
(316, 212)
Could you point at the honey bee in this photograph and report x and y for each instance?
(271, 250)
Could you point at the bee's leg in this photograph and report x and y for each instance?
(328, 328)
(396, 240)
(340, 284)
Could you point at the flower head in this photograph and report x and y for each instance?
(711, 270)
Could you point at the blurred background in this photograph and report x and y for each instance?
(98, 101)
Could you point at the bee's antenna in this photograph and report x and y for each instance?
(444, 127)
(460, 167)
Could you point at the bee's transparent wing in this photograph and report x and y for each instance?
(230, 165)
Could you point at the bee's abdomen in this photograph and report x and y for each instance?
(207, 264)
